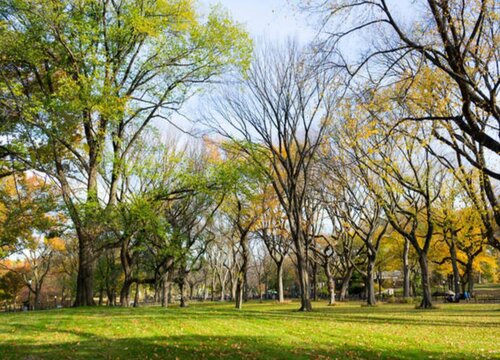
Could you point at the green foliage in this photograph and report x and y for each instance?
(11, 284)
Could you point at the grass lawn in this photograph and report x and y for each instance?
(264, 331)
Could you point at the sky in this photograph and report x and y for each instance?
(272, 20)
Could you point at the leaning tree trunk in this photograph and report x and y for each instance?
(281, 295)
(426, 284)
(85, 278)
(406, 270)
(331, 284)
(125, 293)
(370, 283)
(345, 283)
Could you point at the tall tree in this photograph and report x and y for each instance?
(277, 115)
(81, 80)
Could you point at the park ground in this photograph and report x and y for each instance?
(259, 331)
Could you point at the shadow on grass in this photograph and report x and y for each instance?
(384, 315)
(201, 347)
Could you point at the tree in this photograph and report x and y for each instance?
(81, 80)
(277, 116)
(271, 228)
(455, 42)
(405, 180)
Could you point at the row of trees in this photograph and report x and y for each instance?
(316, 159)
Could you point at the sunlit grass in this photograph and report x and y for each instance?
(265, 331)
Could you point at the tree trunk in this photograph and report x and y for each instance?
(182, 290)
(239, 294)
(222, 289)
(470, 277)
(281, 294)
(406, 270)
(109, 294)
(125, 293)
(370, 283)
(136, 297)
(191, 291)
(426, 285)
(345, 283)
(165, 289)
(85, 278)
(305, 302)
(315, 281)
(101, 295)
(36, 305)
(454, 264)
(331, 284)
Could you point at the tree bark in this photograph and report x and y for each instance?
(345, 283)
(101, 295)
(125, 293)
(239, 294)
(426, 285)
(85, 278)
(281, 294)
(331, 284)
(406, 270)
(370, 283)
(136, 297)
(305, 301)
(165, 289)
(454, 265)
(182, 290)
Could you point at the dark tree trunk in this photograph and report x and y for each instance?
(426, 284)
(298, 239)
(182, 290)
(305, 302)
(125, 293)
(370, 282)
(345, 283)
(85, 278)
(239, 294)
(109, 294)
(406, 270)
(37, 305)
(136, 297)
(315, 281)
(242, 273)
(454, 264)
(101, 295)
(165, 286)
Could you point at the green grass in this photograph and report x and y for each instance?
(264, 331)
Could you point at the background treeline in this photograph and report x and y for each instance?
(318, 171)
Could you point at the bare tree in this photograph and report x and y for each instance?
(276, 116)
